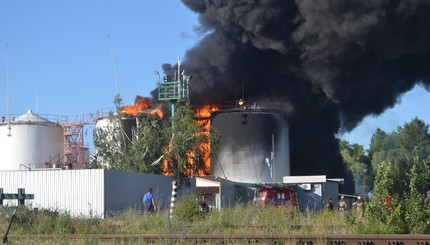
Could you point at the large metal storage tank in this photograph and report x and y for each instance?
(254, 145)
(31, 142)
(108, 125)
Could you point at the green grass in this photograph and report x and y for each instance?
(239, 220)
(188, 219)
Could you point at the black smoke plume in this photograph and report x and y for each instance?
(330, 62)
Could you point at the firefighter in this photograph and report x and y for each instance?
(358, 207)
(342, 207)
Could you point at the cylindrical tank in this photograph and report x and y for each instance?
(254, 146)
(109, 127)
(29, 142)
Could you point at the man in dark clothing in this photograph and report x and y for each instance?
(329, 205)
(148, 201)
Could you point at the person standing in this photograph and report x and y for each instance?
(329, 205)
(342, 204)
(149, 202)
(358, 207)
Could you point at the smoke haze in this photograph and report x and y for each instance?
(330, 63)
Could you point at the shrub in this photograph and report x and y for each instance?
(187, 208)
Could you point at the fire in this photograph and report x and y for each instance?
(142, 105)
(205, 111)
(203, 115)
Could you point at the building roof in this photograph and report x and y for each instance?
(310, 179)
(213, 178)
(31, 117)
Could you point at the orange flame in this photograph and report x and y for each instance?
(142, 105)
(205, 111)
(203, 115)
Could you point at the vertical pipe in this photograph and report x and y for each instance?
(173, 104)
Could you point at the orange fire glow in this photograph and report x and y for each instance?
(141, 106)
(205, 111)
(203, 114)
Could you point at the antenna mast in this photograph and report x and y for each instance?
(114, 66)
(8, 99)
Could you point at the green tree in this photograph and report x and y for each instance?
(378, 208)
(358, 163)
(402, 164)
(401, 148)
(129, 147)
(188, 145)
(152, 145)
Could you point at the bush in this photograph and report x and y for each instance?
(187, 208)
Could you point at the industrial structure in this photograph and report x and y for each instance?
(174, 89)
(32, 141)
(254, 144)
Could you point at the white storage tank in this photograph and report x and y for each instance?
(109, 125)
(29, 142)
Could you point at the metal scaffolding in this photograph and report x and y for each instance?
(74, 146)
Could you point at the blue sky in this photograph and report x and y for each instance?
(60, 62)
(414, 103)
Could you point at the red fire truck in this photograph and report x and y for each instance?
(278, 195)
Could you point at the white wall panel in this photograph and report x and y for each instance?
(88, 192)
(79, 192)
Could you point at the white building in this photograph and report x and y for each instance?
(313, 191)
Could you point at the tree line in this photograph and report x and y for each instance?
(396, 171)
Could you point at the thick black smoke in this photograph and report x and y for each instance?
(331, 63)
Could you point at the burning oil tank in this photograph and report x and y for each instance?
(254, 145)
(30, 141)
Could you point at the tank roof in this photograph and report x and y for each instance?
(31, 117)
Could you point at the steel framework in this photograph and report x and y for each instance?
(74, 146)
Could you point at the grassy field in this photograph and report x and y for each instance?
(188, 219)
